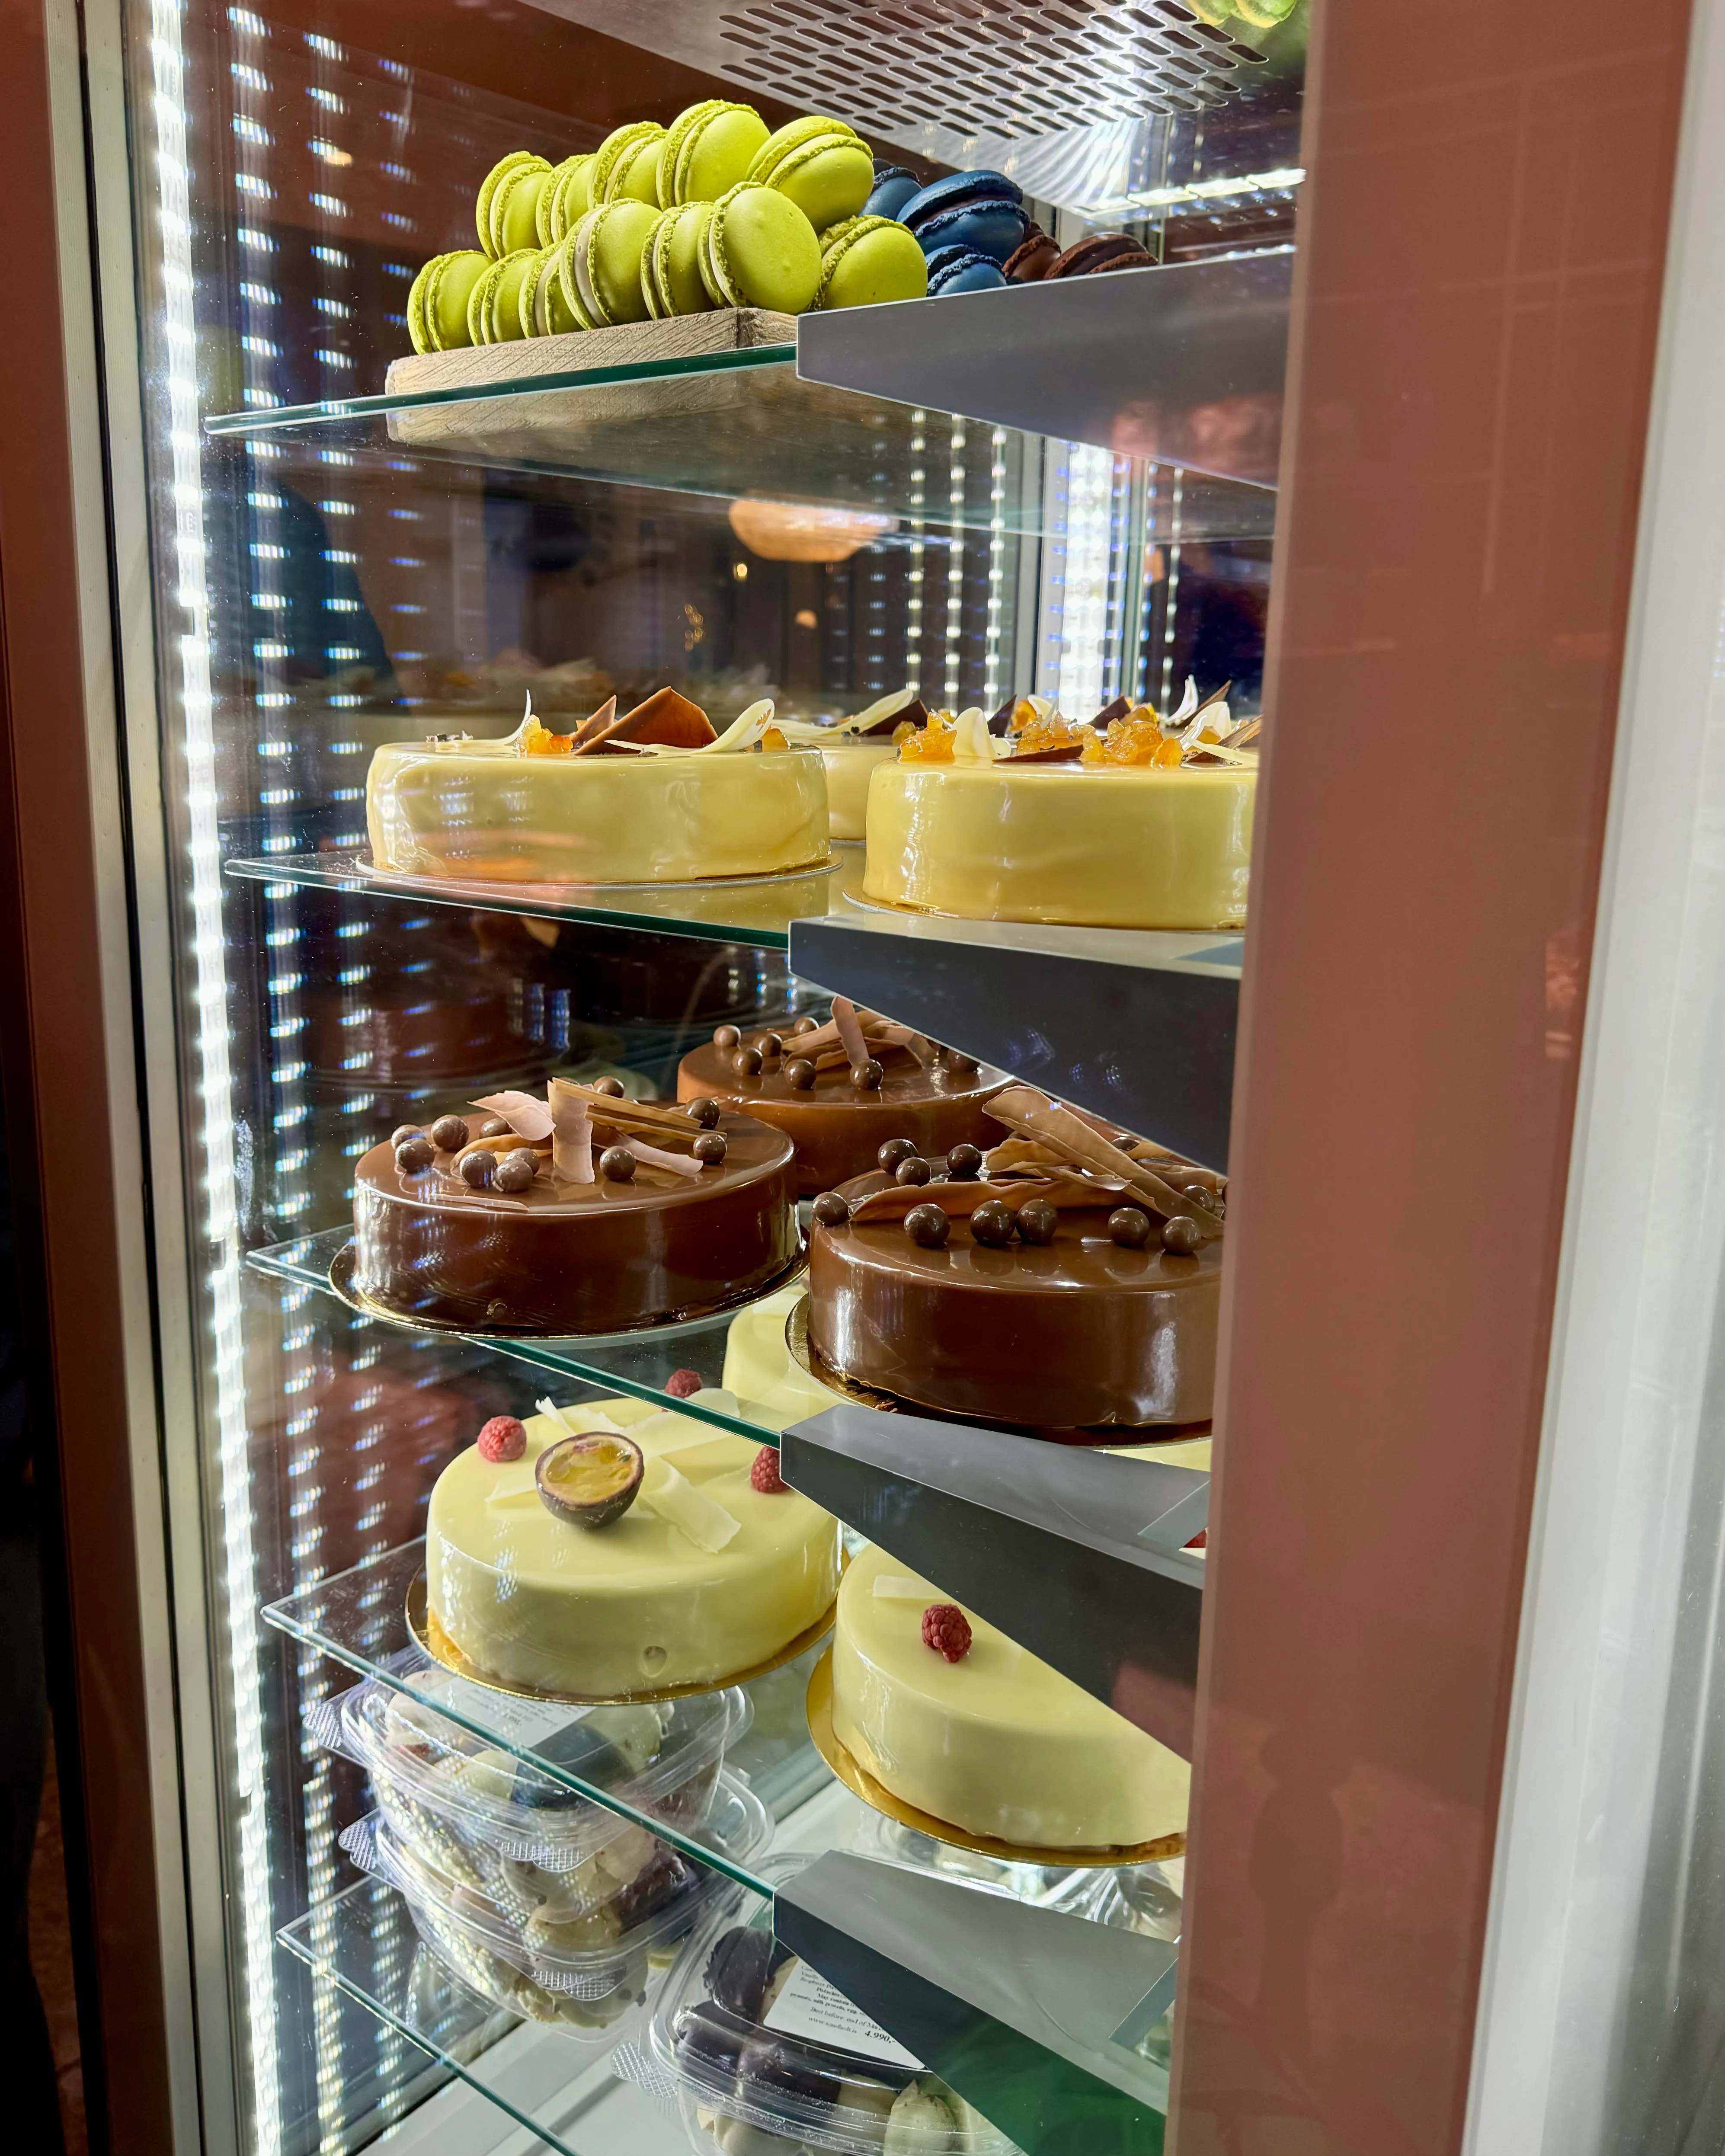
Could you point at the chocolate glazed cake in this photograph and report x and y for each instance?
(1059, 1286)
(592, 1215)
(839, 1091)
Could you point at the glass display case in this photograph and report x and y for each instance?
(686, 1386)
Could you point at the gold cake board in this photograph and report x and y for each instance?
(344, 1287)
(857, 1778)
(430, 1637)
(1120, 1437)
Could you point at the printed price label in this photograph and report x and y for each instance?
(809, 2007)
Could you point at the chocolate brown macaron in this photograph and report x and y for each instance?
(1030, 263)
(1102, 251)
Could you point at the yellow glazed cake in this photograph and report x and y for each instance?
(853, 751)
(658, 798)
(995, 1742)
(676, 1591)
(775, 1388)
(1072, 834)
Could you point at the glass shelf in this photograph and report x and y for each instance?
(638, 1364)
(359, 1619)
(729, 424)
(762, 914)
(363, 1940)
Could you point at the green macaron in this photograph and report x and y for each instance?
(544, 311)
(625, 166)
(507, 213)
(708, 149)
(821, 165)
(609, 244)
(759, 251)
(437, 303)
(567, 305)
(670, 264)
(494, 306)
(564, 199)
(867, 260)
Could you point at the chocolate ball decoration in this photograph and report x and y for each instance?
(478, 1170)
(402, 1132)
(801, 1025)
(493, 1127)
(956, 1061)
(414, 1155)
(617, 1164)
(831, 1210)
(916, 1169)
(1039, 1221)
(928, 1226)
(769, 1044)
(964, 1164)
(893, 1150)
(515, 1172)
(800, 1074)
(704, 1112)
(867, 1077)
(589, 1480)
(1129, 1227)
(991, 1224)
(611, 1088)
(746, 1063)
(1182, 1235)
(726, 1036)
(448, 1133)
(709, 1148)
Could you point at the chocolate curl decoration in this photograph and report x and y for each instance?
(1032, 1114)
(525, 1114)
(571, 1134)
(850, 1033)
(630, 1114)
(959, 1200)
(678, 1163)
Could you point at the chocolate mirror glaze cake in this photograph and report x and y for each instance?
(1070, 1286)
(578, 1212)
(840, 1101)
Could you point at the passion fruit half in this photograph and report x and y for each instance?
(591, 1479)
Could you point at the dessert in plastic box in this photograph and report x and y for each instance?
(615, 1547)
(434, 1780)
(519, 1943)
(746, 2041)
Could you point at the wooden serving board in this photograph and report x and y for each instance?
(560, 420)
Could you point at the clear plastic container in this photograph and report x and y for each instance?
(892, 1842)
(438, 1784)
(581, 1971)
(732, 2047)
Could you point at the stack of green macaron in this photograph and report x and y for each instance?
(714, 211)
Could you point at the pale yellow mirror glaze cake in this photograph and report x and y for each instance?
(1091, 846)
(996, 1743)
(478, 810)
(636, 1606)
(850, 766)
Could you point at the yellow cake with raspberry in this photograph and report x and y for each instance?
(1135, 827)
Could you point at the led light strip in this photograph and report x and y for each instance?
(997, 565)
(240, 1582)
(1200, 192)
(913, 604)
(955, 566)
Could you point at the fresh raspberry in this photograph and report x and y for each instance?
(1201, 1540)
(946, 1630)
(681, 1383)
(764, 1474)
(502, 1438)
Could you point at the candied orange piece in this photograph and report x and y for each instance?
(1052, 731)
(540, 741)
(1023, 715)
(772, 738)
(932, 744)
(1136, 740)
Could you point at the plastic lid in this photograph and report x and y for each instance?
(662, 1759)
(745, 2030)
(539, 1931)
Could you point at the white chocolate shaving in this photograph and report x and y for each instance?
(528, 1116)
(899, 1587)
(678, 1163)
(1176, 721)
(971, 742)
(883, 707)
(690, 1510)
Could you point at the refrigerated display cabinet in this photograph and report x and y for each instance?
(1408, 430)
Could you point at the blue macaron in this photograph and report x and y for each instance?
(981, 210)
(894, 186)
(963, 270)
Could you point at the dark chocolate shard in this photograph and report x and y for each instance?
(1070, 753)
(1121, 708)
(666, 721)
(917, 711)
(601, 721)
(1001, 722)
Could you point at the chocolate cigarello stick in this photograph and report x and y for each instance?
(959, 1200)
(1023, 1110)
(850, 1033)
(628, 1115)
